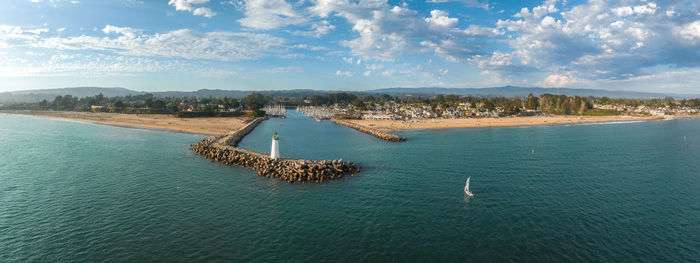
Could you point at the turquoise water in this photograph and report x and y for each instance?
(77, 192)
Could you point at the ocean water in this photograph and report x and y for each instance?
(79, 192)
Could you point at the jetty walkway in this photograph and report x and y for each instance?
(223, 148)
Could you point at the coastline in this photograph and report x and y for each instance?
(162, 122)
(439, 124)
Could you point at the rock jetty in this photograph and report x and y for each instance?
(222, 148)
(374, 132)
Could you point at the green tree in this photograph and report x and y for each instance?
(359, 104)
(488, 105)
(532, 102)
(43, 104)
(254, 101)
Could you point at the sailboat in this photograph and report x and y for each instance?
(466, 188)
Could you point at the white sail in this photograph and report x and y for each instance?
(466, 187)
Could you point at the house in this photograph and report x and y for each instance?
(658, 112)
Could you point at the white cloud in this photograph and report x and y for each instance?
(386, 32)
(691, 31)
(95, 65)
(470, 3)
(598, 40)
(269, 14)
(649, 8)
(556, 81)
(479, 31)
(186, 5)
(318, 29)
(312, 48)
(183, 43)
(374, 66)
(441, 18)
(11, 36)
(623, 11)
(127, 32)
(189, 6)
(449, 49)
(344, 73)
(322, 28)
(388, 72)
(203, 11)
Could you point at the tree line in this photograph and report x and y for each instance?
(147, 103)
(254, 102)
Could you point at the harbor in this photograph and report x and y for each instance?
(317, 112)
(326, 113)
(275, 111)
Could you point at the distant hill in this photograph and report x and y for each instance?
(216, 93)
(524, 91)
(50, 94)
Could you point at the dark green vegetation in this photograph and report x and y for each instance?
(149, 104)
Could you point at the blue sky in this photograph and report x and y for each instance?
(154, 45)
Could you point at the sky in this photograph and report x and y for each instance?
(161, 45)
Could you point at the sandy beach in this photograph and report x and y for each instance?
(212, 126)
(218, 125)
(429, 124)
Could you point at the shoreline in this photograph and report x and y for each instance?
(210, 126)
(468, 123)
(159, 122)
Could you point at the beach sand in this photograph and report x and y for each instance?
(211, 126)
(218, 125)
(429, 124)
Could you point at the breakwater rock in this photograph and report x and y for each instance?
(222, 148)
(374, 132)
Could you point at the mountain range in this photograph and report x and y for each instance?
(512, 91)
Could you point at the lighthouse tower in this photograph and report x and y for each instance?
(275, 151)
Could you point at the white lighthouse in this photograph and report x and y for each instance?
(275, 151)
